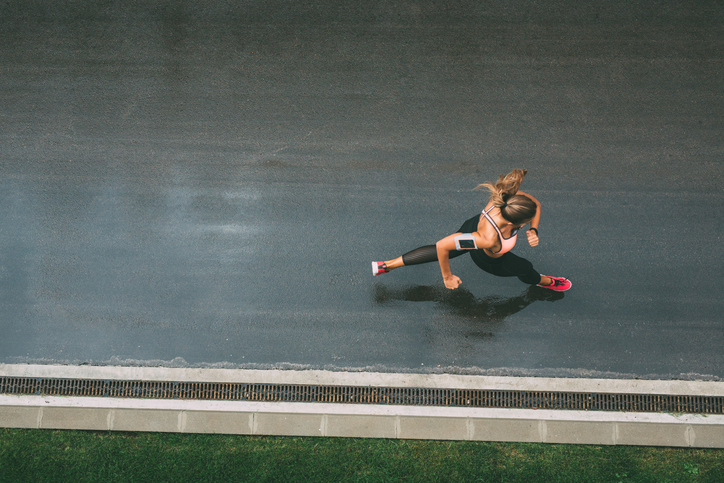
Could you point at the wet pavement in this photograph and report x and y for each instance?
(206, 184)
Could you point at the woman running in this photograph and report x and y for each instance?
(488, 237)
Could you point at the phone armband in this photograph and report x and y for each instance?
(466, 241)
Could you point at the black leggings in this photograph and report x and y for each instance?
(508, 265)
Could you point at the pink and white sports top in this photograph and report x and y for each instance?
(506, 244)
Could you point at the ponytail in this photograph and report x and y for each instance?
(517, 209)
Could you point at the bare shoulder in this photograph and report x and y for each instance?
(487, 238)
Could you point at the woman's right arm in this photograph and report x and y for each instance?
(444, 247)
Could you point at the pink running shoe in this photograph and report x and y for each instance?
(378, 268)
(559, 284)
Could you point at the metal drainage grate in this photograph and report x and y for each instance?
(479, 398)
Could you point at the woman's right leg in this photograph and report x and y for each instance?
(425, 254)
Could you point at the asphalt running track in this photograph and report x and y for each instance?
(205, 186)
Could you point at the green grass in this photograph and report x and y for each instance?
(81, 456)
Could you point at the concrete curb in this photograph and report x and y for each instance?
(366, 421)
(619, 386)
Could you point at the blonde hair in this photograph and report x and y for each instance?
(517, 209)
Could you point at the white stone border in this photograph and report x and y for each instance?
(361, 420)
(362, 379)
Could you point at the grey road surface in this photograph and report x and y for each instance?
(206, 183)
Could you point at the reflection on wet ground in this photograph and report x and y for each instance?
(463, 303)
(209, 181)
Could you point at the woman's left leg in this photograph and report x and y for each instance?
(508, 265)
(511, 265)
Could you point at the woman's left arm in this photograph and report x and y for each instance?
(532, 232)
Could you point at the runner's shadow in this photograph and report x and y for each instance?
(465, 304)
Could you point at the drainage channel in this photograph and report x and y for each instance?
(405, 396)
